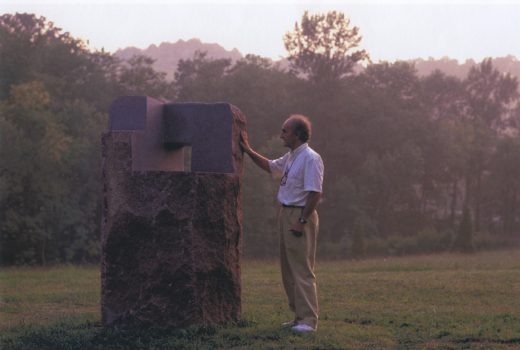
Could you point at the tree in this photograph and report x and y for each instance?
(387, 189)
(442, 98)
(138, 77)
(464, 239)
(489, 94)
(488, 98)
(52, 90)
(504, 183)
(324, 47)
(32, 48)
(264, 93)
(32, 146)
(49, 175)
(200, 78)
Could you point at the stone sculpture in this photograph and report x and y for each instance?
(171, 239)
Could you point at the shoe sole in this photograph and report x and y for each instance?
(303, 331)
(288, 325)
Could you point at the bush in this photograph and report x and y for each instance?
(488, 241)
(426, 241)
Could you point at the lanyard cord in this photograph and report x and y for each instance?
(283, 181)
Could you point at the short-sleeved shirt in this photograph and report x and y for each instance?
(301, 171)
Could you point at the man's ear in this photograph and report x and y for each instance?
(298, 134)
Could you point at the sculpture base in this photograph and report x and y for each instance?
(171, 243)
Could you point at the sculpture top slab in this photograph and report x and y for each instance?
(161, 130)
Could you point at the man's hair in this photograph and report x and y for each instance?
(302, 126)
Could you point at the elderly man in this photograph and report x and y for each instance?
(301, 171)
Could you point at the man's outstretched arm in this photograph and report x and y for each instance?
(259, 159)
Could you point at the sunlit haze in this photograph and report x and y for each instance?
(391, 30)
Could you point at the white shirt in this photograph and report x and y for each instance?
(301, 171)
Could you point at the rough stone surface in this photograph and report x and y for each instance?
(171, 240)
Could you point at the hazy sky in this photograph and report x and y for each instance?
(391, 29)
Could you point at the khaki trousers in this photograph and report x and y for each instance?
(297, 257)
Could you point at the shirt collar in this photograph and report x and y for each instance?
(299, 149)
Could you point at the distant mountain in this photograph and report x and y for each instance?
(167, 55)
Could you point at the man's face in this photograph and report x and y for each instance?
(290, 139)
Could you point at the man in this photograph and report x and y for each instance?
(299, 193)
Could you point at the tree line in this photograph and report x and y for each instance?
(413, 164)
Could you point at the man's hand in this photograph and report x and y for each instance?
(313, 199)
(244, 142)
(259, 159)
(297, 229)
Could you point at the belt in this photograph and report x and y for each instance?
(292, 206)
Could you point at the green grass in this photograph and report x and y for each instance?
(426, 302)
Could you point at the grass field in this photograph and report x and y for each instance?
(427, 302)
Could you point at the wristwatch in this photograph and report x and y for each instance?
(302, 220)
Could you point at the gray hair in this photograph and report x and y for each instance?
(302, 126)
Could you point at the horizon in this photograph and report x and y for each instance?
(426, 59)
(391, 30)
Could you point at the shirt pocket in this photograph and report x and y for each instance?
(296, 178)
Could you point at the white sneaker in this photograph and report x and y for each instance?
(289, 324)
(303, 328)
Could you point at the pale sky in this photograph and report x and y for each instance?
(391, 29)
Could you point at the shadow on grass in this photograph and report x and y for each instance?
(241, 335)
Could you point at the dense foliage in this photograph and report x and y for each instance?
(404, 154)
(54, 94)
